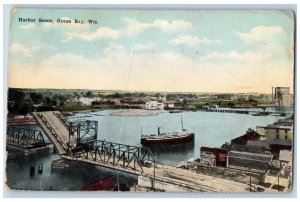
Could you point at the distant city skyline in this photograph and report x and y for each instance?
(153, 51)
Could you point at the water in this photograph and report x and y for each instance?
(211, 129)
(17, 173)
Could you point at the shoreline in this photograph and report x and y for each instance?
(137, 112)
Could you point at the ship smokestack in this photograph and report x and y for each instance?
(158, 130)
(272, 96)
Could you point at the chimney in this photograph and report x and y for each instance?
(272, 96)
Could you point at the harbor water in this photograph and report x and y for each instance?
(211, 129)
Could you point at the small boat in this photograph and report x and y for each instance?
(104, 184)
(173, 138)
(261, 114)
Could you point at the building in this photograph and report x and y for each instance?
(279, 135)
(86, 101)
(287, 100)
(277, 144)
(153, 105)
(282, 97)
(282, 129)
(252, 146)
(249, 135)
(170, 105)
(249, 160)
(213, 156)
(285, 122)
(262, 145)
(276, 131)
(279, 91)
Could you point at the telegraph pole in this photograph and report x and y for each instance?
(154, 172)
(250, 184)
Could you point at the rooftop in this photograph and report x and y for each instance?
(250, 135)
(250, 155)
(274, 126)
(260, 143)
(284, 142)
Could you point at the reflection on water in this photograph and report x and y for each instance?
(163, 153)
(18, 175)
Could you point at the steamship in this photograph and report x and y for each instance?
(173, 138)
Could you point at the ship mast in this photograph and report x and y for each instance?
(181, 123)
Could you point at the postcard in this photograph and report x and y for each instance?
(150, 100)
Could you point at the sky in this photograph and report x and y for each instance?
(152, 50)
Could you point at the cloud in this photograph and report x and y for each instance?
(192, 40)
(19, 48)
(260, 34)
(132, 28)
(28, 26)
(145, 47)
(271, 40)
(164, 25)
(234, 57)
(67, 61)
(113, 48)
(32, 49)
(101, 33)
(117, 68)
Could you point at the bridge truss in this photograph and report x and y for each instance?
(115, 154)
(25, 137)
(84, 130)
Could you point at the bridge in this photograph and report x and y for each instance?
(25, 138)
(77, 141)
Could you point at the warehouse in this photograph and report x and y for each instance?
(249, 160)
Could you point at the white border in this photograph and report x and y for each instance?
(154, 4)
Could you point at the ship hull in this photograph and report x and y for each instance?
(175, 141)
